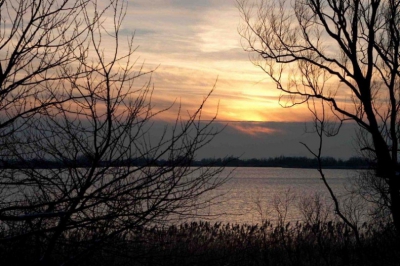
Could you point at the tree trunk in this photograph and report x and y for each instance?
(386, 169)
(394, 189)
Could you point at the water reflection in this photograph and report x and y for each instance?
(251, 193)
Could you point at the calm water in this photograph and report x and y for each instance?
(252, 192)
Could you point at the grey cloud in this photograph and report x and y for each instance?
(283, 140)
(185, 4)
(142, 31)
(232, 54)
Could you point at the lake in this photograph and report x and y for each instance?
(252, 194)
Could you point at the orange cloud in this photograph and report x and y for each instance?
(253, 129)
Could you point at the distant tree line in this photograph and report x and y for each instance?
(281, 161)
(292, 162)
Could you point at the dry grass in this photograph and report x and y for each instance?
(202, 243)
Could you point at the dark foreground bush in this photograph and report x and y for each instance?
(221, 244)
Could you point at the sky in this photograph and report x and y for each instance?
(194, 46)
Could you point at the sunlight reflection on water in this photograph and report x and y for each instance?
(249, 185)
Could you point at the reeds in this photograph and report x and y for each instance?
(330, 243)
(203, 243)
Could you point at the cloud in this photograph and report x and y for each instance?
(253, 129)
(284, 139)
(182, 4)
(194, 43)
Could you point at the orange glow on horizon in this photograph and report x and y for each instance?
(253, 130)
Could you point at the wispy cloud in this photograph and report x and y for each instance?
(254, 129)
(194, 44)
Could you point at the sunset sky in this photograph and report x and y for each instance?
(194, 45)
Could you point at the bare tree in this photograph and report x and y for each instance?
(344, 53)
(100, 180)
(36, 38)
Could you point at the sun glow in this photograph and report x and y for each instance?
(194, 52)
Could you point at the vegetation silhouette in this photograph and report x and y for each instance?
(75, 107)
(340, 59)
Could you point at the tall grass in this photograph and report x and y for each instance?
(202, 243)
(330, 243)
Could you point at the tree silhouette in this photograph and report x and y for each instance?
(338, 56)
(70, 97)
